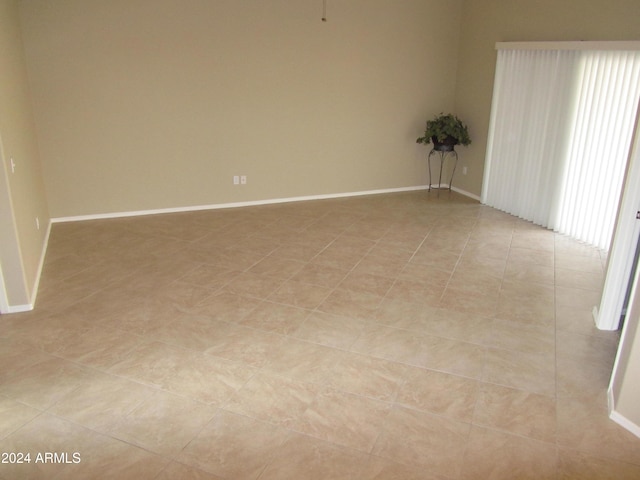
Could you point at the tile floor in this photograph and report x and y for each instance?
(399, 336)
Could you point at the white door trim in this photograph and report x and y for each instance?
(4, 301)
(623, 246)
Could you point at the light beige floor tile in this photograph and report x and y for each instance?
(105, 457)
(577, 297)
(368, 376)
(572, 465)
(301, 295)
(577, 320)
(42, 384)
(339, 259)
(352, 243)
(527, 292)
(534, 238)
(233, 446)
(403, 238)
(418, 439)
(351, 304)
(189, 331)
(579, 279)
(89, 454)
(475, 268)
(531, 372)
(476, 280)
(138, 311)
(276, 318)
(529, 255)
(321, 275)
(583, 425)
(466, 327)
(578, 378)
(380, 266)
(305, 457)
(344, 419)
(227, 306)
(516, 411)
(253, 284)
(600, 350)
(304, 361)
(162, 423)
(153, 363)
(388, 343)
(14, 415)
(358, 281)
(16, 355)
(212, 276)
(529, 272)
(412, 291)
(273, 398)
(227, 259)
(50, 334)
(202, 377)
(483, 305)
(186, 296)
(405, 315)
(295, 251)
(395, 255)
(524, 310)
(384, 469)
(143, 298)
(427, 276)
(495, 455)
(575, 260)
(101, 402)
(487, 246)
(509, 335)
(331, 330)
(450, 356)
(434, 258)
(440, 393)
(245, 345)
(99, 347)
(177, 470)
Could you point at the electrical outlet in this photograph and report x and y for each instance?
(243, 180)
(236, 180)
(464, 170)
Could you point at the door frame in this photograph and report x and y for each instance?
(623, 246)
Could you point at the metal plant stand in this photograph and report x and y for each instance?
(444, 154)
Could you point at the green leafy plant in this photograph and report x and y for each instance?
(446, 129)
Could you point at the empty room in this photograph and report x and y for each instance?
(225, 255)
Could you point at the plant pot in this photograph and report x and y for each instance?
(445, 146)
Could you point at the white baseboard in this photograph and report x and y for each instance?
(20, 308)
(621, 420)
(218, 206)
(465, 193)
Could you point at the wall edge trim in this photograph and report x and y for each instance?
(43, 254)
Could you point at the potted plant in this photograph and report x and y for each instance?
(445, 131)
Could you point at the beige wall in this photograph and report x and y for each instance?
(150, 104)
(22, 197)
(485, 22)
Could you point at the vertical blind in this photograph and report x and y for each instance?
(559, 137)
